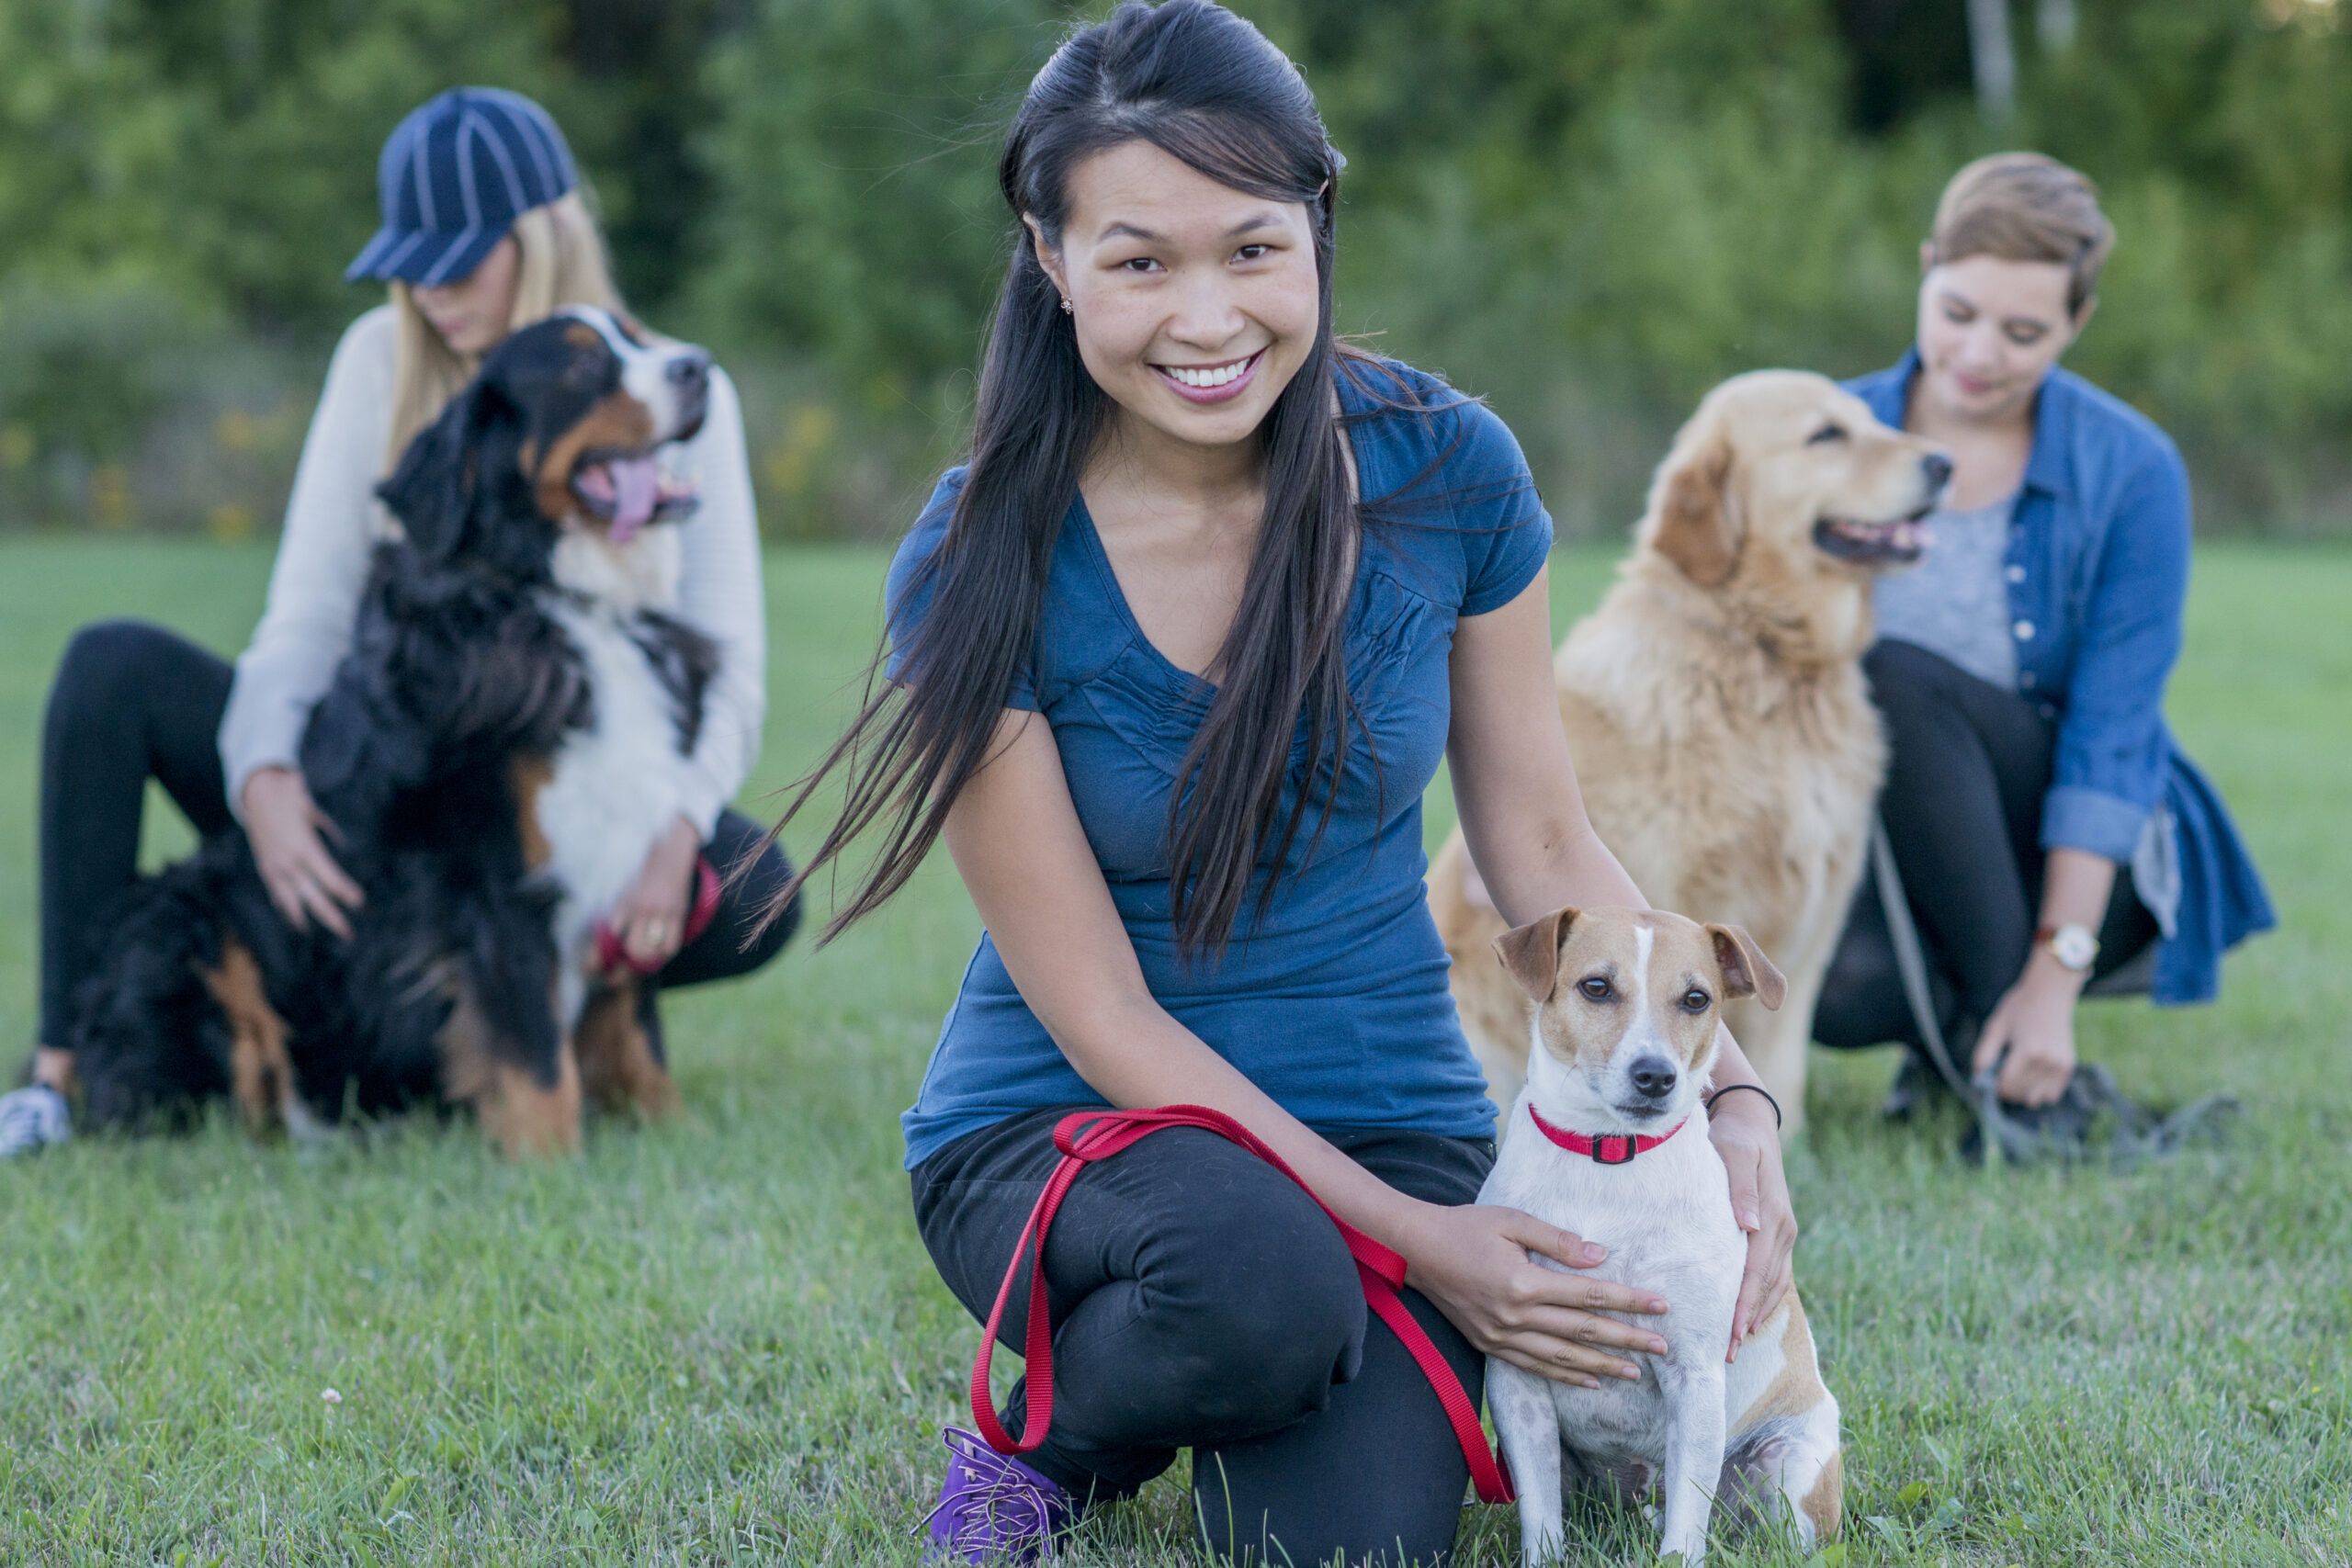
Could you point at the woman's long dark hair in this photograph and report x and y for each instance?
(1206, 87)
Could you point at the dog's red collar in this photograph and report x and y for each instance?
(1605, 1148)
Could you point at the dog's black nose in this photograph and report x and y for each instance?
(689, 371)
(1653, 1076)
(1938, 467)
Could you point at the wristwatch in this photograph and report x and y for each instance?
(2075, 947)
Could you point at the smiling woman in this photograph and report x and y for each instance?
(1171, 660)
(2047, 830)
(1177, 294)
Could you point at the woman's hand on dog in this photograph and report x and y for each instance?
(288, 832)
(1474, 1263)
(651, 920)
(1747, 1137)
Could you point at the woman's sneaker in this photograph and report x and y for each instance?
(32, 1118)
(993, 1509)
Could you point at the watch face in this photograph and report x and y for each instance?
(2074, 947)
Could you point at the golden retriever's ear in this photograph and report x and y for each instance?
(1531, 951)
(1691, 522)
(1746, 972)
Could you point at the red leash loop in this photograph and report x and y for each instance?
(1085, 1136)
(613, 954)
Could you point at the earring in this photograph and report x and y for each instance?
(1065, 305)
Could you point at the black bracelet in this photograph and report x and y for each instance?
(1750, 1088)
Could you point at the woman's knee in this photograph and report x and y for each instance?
(755, 872)
(1923, 708)
(764, 879)
(1896, 662)
(105, 661)
(1862, 999)
(109, 681)
(1904, 677)
(1256, 1309)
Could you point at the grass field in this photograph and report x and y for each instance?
(721, 1342)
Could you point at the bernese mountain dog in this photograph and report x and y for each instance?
(506, 739)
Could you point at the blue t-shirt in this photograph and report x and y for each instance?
(1335, 1003)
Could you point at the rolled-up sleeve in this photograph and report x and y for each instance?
(2112, 753)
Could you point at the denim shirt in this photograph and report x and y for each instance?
(2097, 571)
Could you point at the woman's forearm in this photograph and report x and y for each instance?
(321, 567)
(1134, 1053)
(1574, 868)
(2076, 887)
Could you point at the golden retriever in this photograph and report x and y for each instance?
(1715, 705)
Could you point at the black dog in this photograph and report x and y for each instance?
(498, 752)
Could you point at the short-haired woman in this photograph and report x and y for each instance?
(1175, 653)
(2047, 827)
(485, 230)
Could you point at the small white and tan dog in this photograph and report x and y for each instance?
(1616, 1150)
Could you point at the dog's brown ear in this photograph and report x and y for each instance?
(1531, 951)
(1746, 972)
(1690, 521)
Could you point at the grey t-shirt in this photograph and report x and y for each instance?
(1956, 601)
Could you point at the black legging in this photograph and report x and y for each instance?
(1968, 764)
(1201, 1300)
(134, 702)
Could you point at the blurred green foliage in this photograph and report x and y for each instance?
(1588, 212)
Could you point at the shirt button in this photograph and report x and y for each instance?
(2017, 574)
(2024, 630)
(2025, 680)
(2049, 710)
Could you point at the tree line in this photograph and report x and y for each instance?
(1587, 212)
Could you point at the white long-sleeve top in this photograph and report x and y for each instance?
(333, 522)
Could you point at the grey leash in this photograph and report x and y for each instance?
(2024, 1137)
(1910, 961)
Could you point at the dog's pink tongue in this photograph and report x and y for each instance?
(637, 490)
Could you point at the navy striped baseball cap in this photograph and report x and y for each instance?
(453, 176)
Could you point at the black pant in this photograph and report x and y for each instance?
(134, 702)
(1201, 1300)
(1968, 764)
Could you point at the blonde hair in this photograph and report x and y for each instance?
(561, 263)
(2025, 206)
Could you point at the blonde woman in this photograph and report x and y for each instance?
(484, 230)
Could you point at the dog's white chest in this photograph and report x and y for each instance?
(617, 785)
(1666, 1221)
(1625, 1423)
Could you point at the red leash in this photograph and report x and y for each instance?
(1084, 1137)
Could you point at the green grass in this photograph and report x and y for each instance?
(721, 1341)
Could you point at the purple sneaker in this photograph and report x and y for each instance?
(992, 1508)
